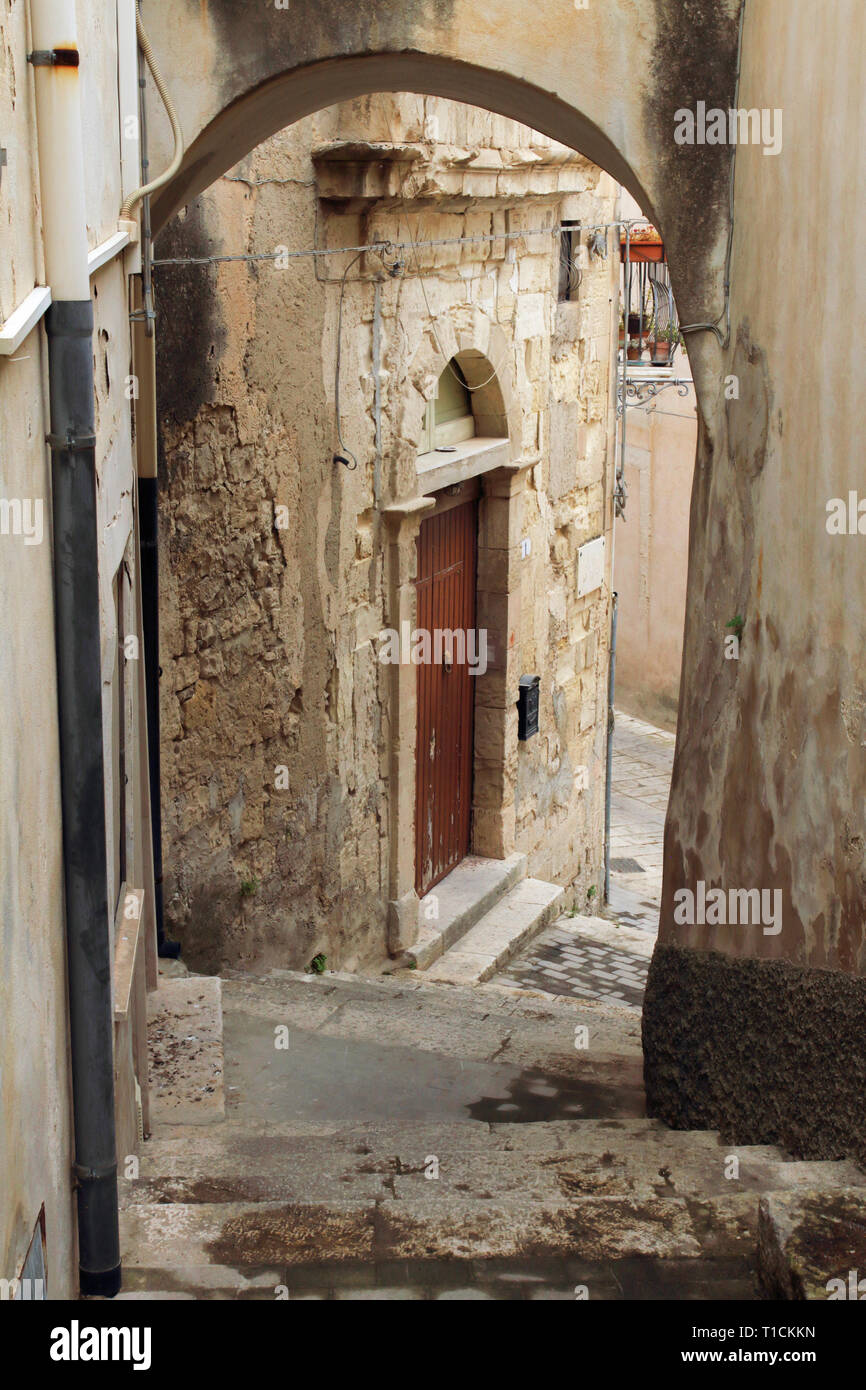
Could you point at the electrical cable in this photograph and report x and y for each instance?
(130, 202)
(385, 246)
(346, 452)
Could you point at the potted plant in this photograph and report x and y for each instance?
(633, 351)
(664, 345)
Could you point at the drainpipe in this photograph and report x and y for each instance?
(608, 772)
(79, 675)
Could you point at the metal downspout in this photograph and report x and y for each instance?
(72, 440)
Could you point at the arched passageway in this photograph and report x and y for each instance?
(608, 80)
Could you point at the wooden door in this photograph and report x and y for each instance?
(446, 604)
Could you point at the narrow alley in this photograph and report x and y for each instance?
(433, 754)
(607, 957)
(434, 1135)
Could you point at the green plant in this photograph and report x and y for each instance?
(249, 887)
(671, 334)
(591, 892)
(317, 964)
(737, 624)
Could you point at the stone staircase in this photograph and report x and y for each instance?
(393, 1139)
(486, 910)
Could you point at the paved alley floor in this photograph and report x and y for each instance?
(643, 759)
(401, 1139)
(586, 958)
(571, 957)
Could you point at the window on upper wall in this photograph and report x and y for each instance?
(570, 274)
(448, 419)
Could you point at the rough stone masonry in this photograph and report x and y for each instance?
(287, 747)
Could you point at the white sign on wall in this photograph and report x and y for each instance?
(590, 566)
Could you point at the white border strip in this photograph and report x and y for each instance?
(23, 319)
(106, 251)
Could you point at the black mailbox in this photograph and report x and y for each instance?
(527, 707)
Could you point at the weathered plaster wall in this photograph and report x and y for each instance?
(651, 555)
(33, 1062)
(768, 788)
(269, 634)
(35, 1103)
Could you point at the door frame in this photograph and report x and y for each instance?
(449, 499)
(498, 580)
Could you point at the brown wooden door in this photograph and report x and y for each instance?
(446, 602)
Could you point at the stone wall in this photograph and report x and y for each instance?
(768, 784)
(279, 723)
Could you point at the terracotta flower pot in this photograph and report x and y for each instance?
(661, 353)
(633, 350)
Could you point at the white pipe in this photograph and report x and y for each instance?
(136, 197)
(61, 153)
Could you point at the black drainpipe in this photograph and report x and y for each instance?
(79, 680)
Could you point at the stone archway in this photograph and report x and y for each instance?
(769, 776)
(604, 79)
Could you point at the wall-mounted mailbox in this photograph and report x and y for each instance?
(527, 707)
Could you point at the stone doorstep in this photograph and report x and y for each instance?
(518, 917)
(463, 897)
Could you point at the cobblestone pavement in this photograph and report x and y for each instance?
(582, 956)
(564, 960)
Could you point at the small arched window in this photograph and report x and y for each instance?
(448, 419)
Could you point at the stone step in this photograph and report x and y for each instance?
(438, 1174)
(591, 1135)
(812, 1245)
(162, 1238)
(515, 919)
(460, 900)
(553, 1159)
(165, 1237)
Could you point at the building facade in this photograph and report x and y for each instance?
(475, 396)
(52, 258)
